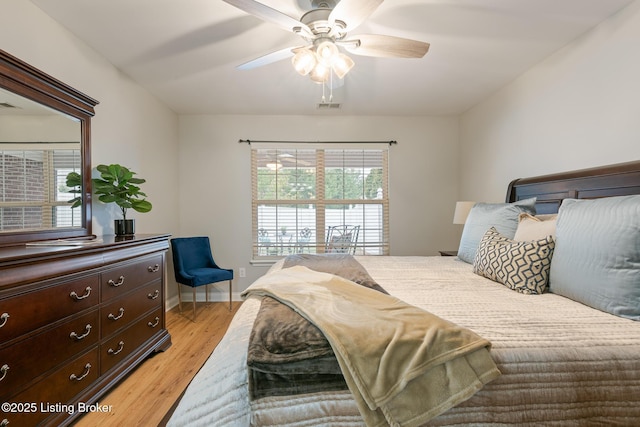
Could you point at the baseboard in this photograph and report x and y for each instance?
(187, 297)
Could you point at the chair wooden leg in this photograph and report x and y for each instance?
(230, 287)
(194, 303)
(206, 297)
(179, 298)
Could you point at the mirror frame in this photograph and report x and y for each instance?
(27, 81)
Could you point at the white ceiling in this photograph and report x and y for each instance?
(185, 51)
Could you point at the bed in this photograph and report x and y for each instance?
(568, 355)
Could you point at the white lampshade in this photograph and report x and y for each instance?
(320, 73)
(462, 212)
(303, 61)
(320, 61)
(327, 53)
(342, 65)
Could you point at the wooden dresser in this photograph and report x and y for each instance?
(74, 320)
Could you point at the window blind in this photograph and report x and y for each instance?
(317, 200)
(34, 193)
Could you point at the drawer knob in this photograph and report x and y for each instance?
(87, 292)
(114, 317)
(3, 319)
(154, 295)
(153, 325)
(3, 371)
(74, 377)
(114, 352)
(87, 330)
(120, 282)
(153, 268)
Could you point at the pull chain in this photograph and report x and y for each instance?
(324, 85)
(331, 88)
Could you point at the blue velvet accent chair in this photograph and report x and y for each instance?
(194, 266)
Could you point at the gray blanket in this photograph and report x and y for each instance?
(403, 365)
(287, 354)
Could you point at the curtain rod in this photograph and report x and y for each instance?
(38, 142)
(251, 141)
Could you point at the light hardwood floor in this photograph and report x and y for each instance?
(149, 392)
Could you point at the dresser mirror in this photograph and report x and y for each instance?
(45, 160)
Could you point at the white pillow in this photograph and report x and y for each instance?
(535, 227)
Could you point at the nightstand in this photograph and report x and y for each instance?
(448, 253)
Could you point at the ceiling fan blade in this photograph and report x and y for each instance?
(269, 58)
(268, 14)
(385, 46)
(353, 12)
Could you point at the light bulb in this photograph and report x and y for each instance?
(320, 73)
(342, 65)
(327, 53)
(304, 61)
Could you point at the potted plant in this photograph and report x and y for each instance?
(74, 185)
(118, 185)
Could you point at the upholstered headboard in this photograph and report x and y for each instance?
(606, 181)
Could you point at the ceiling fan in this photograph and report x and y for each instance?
(325, 29)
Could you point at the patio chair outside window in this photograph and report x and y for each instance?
(342, 239)
(264, 242)
(304, 237)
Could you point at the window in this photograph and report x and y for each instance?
(35, 195)
(317, 200)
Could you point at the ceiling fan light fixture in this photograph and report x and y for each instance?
(325, 30)
(342, 65)
(304, 61)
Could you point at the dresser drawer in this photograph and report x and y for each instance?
(29, 311)
(124, 343)
(58, 388)
(125, 277)
(120, 312)
(34, 356)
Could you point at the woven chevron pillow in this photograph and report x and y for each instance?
(521, 266)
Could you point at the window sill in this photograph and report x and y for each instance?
(263, 262)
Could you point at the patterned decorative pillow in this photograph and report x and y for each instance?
(521, 266)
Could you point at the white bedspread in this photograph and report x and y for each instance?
(562, 362)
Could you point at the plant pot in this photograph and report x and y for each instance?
(124, 227)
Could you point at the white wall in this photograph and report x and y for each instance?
(130, 126)
(29, 128)
(215, 178)
(202, 185)
(579, 108)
